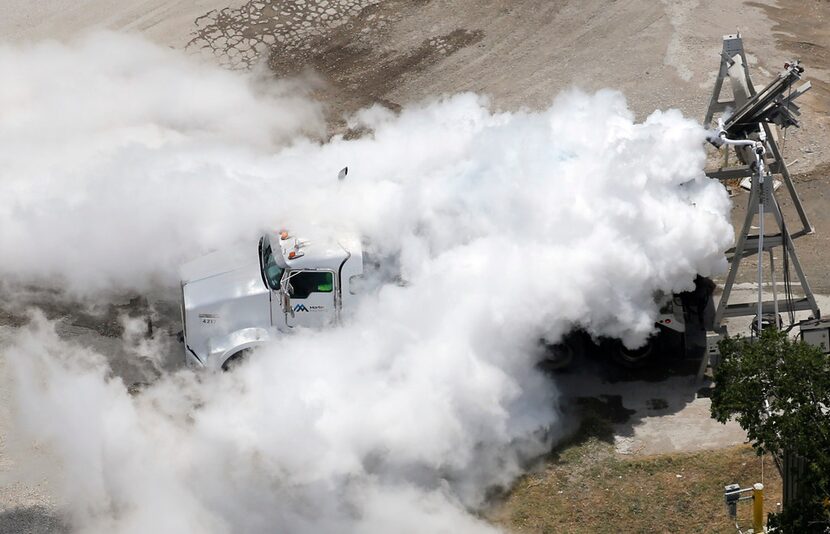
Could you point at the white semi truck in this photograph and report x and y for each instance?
(236, 300)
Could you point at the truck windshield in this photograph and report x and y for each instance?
(271, 272)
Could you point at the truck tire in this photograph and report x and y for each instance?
(561, 355)
(633, 358)
(236, 360)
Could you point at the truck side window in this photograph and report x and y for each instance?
(308, 282)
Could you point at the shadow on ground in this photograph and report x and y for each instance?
(660, 409)
(32, 520)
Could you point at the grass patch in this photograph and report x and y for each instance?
(589, 488)
(584, 486)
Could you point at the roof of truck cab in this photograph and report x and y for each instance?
(326, 253)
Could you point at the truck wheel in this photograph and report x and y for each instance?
(236, 360)
(633, 358)
(558, 356)
(561, 355)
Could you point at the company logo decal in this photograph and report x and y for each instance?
(311, 308)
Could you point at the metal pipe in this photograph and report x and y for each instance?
(733, 142)
(759, 159)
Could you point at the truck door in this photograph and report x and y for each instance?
(313, 299)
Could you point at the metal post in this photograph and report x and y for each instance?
(774, 289)
(758, 508)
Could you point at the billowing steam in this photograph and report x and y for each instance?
(118, 160)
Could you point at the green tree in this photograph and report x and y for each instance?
(778, 390)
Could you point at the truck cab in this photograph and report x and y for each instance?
(237, 299)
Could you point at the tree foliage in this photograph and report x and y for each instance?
(778, 390)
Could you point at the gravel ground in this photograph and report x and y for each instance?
(25, 504)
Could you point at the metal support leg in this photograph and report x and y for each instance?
(737, 255)
(732, 46)
(788, 242)
(807, 228)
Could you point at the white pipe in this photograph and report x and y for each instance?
(733, 142)
(760, 248)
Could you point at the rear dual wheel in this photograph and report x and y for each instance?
(561, 355)
(633, 358)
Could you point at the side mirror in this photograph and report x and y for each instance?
(342, 174)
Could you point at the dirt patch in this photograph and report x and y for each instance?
(368, 78)
(803, 28)
(346, 44)
(821, 172)
(239, 38)
(103, 320)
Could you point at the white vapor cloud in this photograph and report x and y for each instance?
(119, 160)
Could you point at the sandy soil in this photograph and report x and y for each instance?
(651, 413)
(521, 53)
(168, 22)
